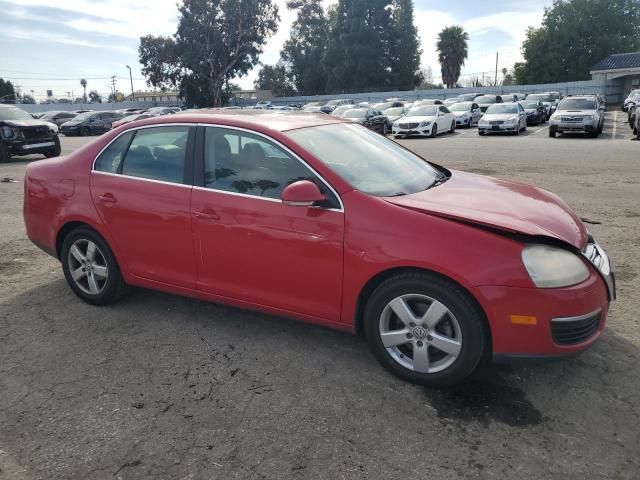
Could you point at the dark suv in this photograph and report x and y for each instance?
(90, 123)
(21, 134)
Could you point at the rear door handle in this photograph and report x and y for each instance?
(107, 198)
(206, 215)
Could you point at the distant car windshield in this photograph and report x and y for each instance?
(425, 111)
(341, 109)
(577, 104)
(468, 96)
(394, 112)
(460, 107)
(14, 113)
(83, 116)
(540, 97)
(383, 105)
(530, 104)
(355, 114)
(367, 160)
(503, 108)
(486, 99)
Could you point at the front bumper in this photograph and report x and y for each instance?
(412, 131)
(69, 130)
(463, 121)
(536, 322)
(588, 126)
(28, 147)
(505, 127)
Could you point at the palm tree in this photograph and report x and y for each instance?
(452, 52)
(83, 82)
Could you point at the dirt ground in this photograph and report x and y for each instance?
(163, 387)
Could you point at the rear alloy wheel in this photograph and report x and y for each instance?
(434, 130)
(425, 329)
(90, 268)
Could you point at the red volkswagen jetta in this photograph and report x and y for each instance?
(311, 217)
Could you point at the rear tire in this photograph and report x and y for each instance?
(94, 277)
(450, 342)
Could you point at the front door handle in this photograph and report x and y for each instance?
(206, 215)
(107, 198)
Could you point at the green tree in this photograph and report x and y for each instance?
(357, 55)
(28, 99)
(404, 47)
(7, 92)
(274, 78)
(95, 97)
(452, 52)
(83, 83)
(216, 40)
(303, 53)
(574, 36)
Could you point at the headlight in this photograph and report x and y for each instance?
(552, 267)
(425, 124)
(588, 117)
(7, 132)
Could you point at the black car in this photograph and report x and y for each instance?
(90, 123)
(535, 110)
(369, 117)
(21, 134)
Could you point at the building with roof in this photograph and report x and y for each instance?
(620, 71)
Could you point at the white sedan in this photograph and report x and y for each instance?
(503, 117)
(425, 120)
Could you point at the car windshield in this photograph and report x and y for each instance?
(540, 97)
(425, 111)
(460, 107)
(83, 116)
(394, 112)
(334, 102)
(341, 109)
(503, 108)
(530, 104)
(467, 96)
(355, 114)
(383, 105)
(577, 104)
(14, 113)
(367, 160)
(486, 99)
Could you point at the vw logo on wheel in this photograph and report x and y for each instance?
(419, 333)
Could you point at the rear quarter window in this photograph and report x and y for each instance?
(111, 157)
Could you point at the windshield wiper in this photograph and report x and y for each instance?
(438, 181)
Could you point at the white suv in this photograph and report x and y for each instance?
(578, 114)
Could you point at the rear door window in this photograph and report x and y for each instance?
(158, 153)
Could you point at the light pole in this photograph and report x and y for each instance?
(131, 78)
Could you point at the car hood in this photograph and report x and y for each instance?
(461, 114)
(508, 206)
(498, 116)
(418, 119)
(27, 123)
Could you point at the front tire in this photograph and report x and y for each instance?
(55, 152)
(5, 154)
(90, 268)
(425, 329)
(434, 130)
(552, 133)
(85, 131)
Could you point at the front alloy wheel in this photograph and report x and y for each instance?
(425, 329)
(420, 333)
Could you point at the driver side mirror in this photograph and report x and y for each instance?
(92, 119)
(302, 193)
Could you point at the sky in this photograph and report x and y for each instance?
(52, 45)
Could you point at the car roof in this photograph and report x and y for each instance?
(251, 119)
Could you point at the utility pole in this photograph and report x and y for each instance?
(114, 79)
(131, 78)
(496, 84)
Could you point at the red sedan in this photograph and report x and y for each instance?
(307, 216)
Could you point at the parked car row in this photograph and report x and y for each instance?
(632, 107)
(91, 122)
